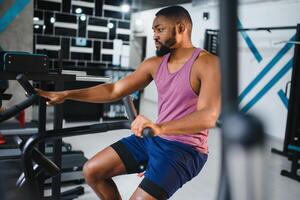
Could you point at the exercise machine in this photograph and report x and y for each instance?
(291, 146)
(29, 180)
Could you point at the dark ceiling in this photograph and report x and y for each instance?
(140, 5)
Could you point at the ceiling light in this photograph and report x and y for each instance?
(125, 8)
(83, 17)
(52, 20)
(110, 25)
(36, 19)
(78, 10)
(138, 22)
(36, 26)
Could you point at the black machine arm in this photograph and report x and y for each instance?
(131, 113)
(21, 78)
(5, 115)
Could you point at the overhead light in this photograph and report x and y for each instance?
(138, 25)
(78, 10)
(44, 26)
(125, 8)
(83, 17)
(138, 22)
(110, 25)
(52, 20)
(36, 19)
(36, 26)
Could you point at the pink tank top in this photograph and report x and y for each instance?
(176, 99)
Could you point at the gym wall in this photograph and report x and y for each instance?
(16, 35)
(80, 29)
(265, 97)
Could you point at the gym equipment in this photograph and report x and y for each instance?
(19, 107)
(28, 148)
(211, 37)
(23, 62)
(42, 78)
(291, 146)
(72, 162)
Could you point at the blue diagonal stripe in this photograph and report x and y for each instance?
(283, 98)
(12, 13)
(268, 86)
(266, 69)
(293, 147)
(250, 43)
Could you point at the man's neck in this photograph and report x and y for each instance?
(182, 52)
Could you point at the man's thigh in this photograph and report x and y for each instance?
(133, 153)
(170, 166)
(106, 163)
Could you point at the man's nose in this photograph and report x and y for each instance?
(155, 37)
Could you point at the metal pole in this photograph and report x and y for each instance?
(228, 55)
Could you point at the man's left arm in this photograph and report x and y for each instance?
(208, 105)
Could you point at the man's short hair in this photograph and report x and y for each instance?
(177, 13)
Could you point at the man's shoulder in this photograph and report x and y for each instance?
(153, 60)
(152, 63)
(206, 62)
(206, 57)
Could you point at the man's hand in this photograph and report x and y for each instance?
(141, 175)
(52, 97)
(141, 122)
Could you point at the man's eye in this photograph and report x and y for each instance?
(160, 30)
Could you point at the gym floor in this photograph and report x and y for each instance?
(205, 185)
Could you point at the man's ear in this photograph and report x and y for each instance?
(181, 27)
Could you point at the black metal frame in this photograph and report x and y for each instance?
(229, 69)
(294, 106)
(250, 132)
(28, 148)
(42, 78)
(262, 28)
(292, 131)
(29, 151)
(58, 134)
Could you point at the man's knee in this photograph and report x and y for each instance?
(140, 194)
(93, 171)
(103, 165)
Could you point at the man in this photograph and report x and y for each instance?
(188, 84)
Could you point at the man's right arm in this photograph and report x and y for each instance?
(109, 92)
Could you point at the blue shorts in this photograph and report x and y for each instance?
(168, 164)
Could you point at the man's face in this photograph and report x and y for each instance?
(164, 35)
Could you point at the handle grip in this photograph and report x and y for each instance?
(147, 132)
(131, 113)
(22, 79)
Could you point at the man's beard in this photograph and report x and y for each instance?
(165, 48)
